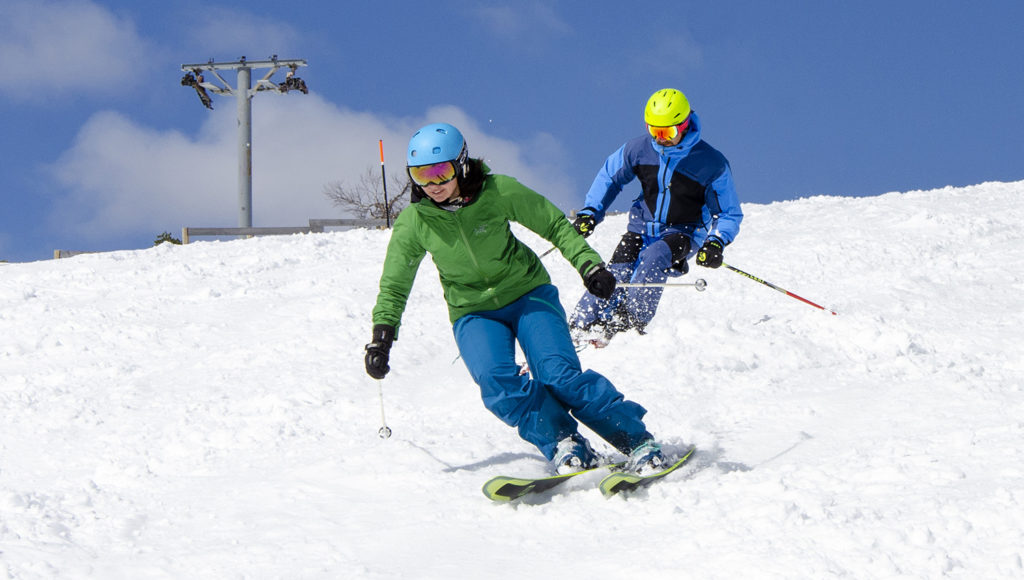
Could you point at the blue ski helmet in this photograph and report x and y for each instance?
(435, 143)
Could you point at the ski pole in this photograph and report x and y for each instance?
(774, 287)
(384, 181)
(700, 284)
(384, 432)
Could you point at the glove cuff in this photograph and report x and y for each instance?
(383, 334)
(588, 270)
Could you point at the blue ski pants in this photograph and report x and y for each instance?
(542, 404)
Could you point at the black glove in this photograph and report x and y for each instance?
(679, 245)
(600, 282)
(585, 223)
(710, 254)
(379, 351)
(678, 268)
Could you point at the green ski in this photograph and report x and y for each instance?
(504, 488)
(624, 481)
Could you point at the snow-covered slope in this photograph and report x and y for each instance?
(202, 412)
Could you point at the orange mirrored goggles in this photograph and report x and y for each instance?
(668, 133)
(435, 174)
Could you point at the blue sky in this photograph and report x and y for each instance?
(103, 149)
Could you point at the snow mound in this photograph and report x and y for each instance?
(202, 411)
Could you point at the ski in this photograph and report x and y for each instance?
(620, 481)
(504, 488)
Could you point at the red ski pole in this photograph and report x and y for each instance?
(774, 287)
(384, 181)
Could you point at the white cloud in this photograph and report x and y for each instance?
(671, 52)
(64, 46)
(125, 178)
(521, 19)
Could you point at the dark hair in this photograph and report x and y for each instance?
(470, 183)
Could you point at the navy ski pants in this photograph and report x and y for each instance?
(650, 265)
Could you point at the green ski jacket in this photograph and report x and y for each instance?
(482, 265)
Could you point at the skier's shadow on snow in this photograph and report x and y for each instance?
(704, 459)
(502, 459)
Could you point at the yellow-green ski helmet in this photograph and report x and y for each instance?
(666, 108)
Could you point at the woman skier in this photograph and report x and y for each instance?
(498, 292)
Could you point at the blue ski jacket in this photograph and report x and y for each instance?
(687, 187)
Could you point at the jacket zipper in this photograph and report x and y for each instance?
(664, 195)
(472, 257)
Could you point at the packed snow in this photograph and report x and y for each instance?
(202, 411)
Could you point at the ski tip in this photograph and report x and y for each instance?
(490, 491)
(504, 489)
(494, 487)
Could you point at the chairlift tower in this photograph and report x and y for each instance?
(243, 93)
